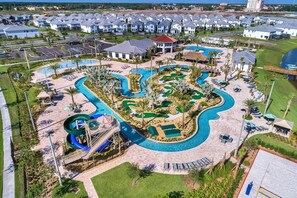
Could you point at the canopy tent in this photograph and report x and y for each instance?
(283, 124)
(269, 116)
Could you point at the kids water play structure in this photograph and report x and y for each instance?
(88, 134)
(201, 134)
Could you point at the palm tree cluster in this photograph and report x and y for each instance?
(182, 86)
(208, 90)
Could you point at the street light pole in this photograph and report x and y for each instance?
(268, 100)
(238, 142)
(30, 113)
(95, 48)
(55, 161)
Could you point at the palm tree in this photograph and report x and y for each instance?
(249, 103)
(210, 55)
(142, 106)
(76, 60)
(225, 69)
(55, 67)
(113, 88)
(136, 58)
(222, 162)
(159, 63)
(291, 97)
(184, 107)
(182, 86)
(153, 98)
(241, 155)
(207, 90)
(71, 91)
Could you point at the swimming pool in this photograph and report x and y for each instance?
(198, 138)
(204, 49)
(69, 64)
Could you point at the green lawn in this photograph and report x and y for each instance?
(1, 155)
(273, 141)
(116, 183)
(81, 194)
(283, 87)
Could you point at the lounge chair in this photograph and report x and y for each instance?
(180, 167)
(205, 161)
(191, 165)
(200, 163)
(196, 165)
(166, 166)
(174, 166)
(185, 165)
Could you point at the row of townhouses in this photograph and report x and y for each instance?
(162, 23)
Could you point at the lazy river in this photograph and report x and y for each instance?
(198, 138)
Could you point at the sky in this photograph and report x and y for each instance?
(157, 1)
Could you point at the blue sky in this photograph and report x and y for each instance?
(156, 1)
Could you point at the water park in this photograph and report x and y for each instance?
(167, 115)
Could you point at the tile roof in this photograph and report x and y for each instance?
(164, 39)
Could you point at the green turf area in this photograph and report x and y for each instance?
(168, 93)
(173, 76)
(152, 130)
(170, 133)
(282, 89)
(178, 108)
(127, 103)
(153, 115)
(1, 155)
(164, 104)
(82, 193)
(116, 183)
(273, 141)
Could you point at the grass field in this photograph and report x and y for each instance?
(81, 194)
(283, 87)
(1, 155)
(273, 141)
(115, 183)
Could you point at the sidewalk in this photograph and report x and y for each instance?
(8, 166)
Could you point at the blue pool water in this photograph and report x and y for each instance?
(198, 138)
(202, 78)
(204, 49)
(68, 64)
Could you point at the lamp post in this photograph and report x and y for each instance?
(267, 103)
(241, 130)
(55, 161)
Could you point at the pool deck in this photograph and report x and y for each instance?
(229, 122)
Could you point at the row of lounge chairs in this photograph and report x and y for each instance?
(116, 71)
(201, 163)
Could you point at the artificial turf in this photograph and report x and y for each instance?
(116, 183)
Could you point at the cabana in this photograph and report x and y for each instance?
(194, 56)
(45, 97)
(283, 126)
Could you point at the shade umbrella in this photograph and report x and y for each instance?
(269, 116)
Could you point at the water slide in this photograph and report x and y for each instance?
(75, 128)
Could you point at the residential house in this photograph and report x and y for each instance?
(89, 27)
(137, 26)
(176, 28)
(150, 27)
(264, 32)
(189, 28)
(19, 31)
(164, 27)
(244, 61)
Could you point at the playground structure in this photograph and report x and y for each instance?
(89, 134)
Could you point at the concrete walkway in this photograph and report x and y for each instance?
(8, 166)
(86, 176)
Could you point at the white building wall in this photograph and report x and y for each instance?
(257, 34)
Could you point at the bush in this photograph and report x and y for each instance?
(35, 190)
(68, 186)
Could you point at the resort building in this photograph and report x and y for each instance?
(129, 49)
(254, 5)
(18, 31)
(264, 32)
(165, 44)
(244, 61)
